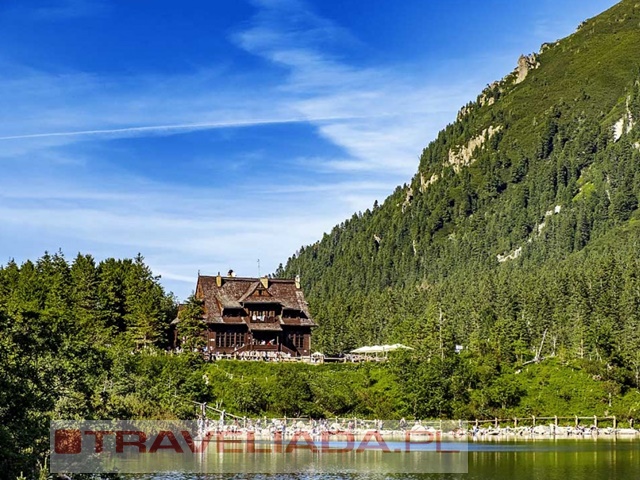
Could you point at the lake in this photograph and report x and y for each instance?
(561, 459)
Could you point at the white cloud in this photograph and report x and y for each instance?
(384, 115)
(378, 117)
(180, 229)
(165, 129)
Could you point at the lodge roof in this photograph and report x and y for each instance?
(233, 293)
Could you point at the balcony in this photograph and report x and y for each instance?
(264, 319)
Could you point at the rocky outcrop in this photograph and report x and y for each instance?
(624, 125)
(510, 256)
(489, 94)
(538, 231)
(557, 209)
(463, 112)
(486, 101)
(526, 63)
(424, 183)
(407, 199)
(463, 156)
(546, 46)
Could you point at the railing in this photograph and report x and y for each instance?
(256, 347)
(285, 349)
(470, 427)
(533, 421)
(273, 319)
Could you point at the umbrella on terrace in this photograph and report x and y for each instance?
(397, 346)
(362, 350)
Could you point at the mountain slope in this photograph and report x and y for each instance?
(536, 173)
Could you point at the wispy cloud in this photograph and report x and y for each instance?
(57, 132)
(169, 129)
(379, 116)
(394, 112)
(179, 229)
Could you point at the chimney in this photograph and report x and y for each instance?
(218, 280)
(264, 281)
(298, 282)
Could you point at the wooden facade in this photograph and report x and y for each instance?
(245, 315)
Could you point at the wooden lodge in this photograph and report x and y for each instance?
(255, 316)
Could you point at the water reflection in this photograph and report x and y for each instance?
(565, 459)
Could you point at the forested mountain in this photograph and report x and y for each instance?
(517, 238)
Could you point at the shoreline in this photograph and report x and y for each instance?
(523, 433)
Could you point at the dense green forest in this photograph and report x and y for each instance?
(69, 333)
(87, 340)
(518, 236)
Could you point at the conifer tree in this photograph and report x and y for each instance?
(191, 324)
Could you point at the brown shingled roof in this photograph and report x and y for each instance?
(235, 291)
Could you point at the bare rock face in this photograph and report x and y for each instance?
(510, 256)
(408, 199)
(424, 183)
(488, 94)
(625, 124)
(462, 156)
(463, 112)
(526, 63)
(546, 46)
(485, 100)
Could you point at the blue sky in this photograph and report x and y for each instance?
(209, 134)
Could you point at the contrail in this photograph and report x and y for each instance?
(168, 128)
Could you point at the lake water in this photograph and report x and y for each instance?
(561, 459)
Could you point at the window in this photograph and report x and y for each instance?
(297, 340)
(229, 339)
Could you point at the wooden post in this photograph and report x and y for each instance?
(577, 421)
(595, 421)
(476, 422)
(515, 422)
(615, 422)
(631, 423)
(534, 420)
(555, 421)
(496, 422)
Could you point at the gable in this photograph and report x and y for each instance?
(261, 292)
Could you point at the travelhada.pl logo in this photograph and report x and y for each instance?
(154, 446)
